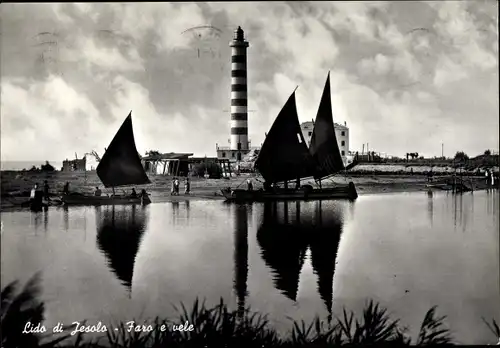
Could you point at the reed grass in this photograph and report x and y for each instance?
(220, 327)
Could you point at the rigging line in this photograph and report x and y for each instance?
(241, 183)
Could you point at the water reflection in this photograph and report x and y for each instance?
(284, 239)
(324, 239)
(45, 221)
(242, 214)
(119, 234)
(175, 212)
(283, 248)
(430, 206)
(35, 221)
(187, 211)
(66, 217)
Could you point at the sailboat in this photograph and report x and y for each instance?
(285, 157)
(120, 166)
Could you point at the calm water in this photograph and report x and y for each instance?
(408, 251)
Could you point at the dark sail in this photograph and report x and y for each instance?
(121, 163)
(284, 154)
(119, 234)
(324, 147)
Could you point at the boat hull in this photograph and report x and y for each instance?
(339, 192)
(102, 200)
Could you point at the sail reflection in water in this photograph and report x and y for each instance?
(284, 239)
(119, 234)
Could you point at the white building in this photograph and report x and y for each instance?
(341, 133)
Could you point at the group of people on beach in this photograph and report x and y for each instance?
(491, 177)
(37, 195)
(176, 184)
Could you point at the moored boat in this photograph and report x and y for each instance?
(304, 193)
(80, 199)
(120, 166)
(285, 157)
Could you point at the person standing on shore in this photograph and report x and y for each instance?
(172, 190)
(46, 190)
(144, 197)
(187, 186)
(33, 192)
(249, 185)
(66, 188)
(176, 185)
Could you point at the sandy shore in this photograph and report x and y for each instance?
(16, 185)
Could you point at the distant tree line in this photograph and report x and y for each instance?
(47, 167)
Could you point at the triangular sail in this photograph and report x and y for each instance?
(121, 163)
(324, 147)
(284, 154)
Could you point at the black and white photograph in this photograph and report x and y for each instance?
(249, 174)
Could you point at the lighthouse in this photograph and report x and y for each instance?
(239, 98)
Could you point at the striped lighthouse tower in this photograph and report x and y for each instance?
(239, 109)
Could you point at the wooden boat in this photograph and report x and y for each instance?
(285, 157)
(304, 193)
(80, 199)
(40, 203)
(456, 184)
(120, 166)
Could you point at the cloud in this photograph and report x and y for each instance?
(72, 72)
(45, 117)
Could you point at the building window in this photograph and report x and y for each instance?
(223, 155)
(342, 143)
(239, 146)
(239, 156)
(232, 155)
(310, 134)
(342, 133)
(343, 153)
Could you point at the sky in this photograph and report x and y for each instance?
(405, 76)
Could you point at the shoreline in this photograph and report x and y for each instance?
(213, 193)
(16, 186)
